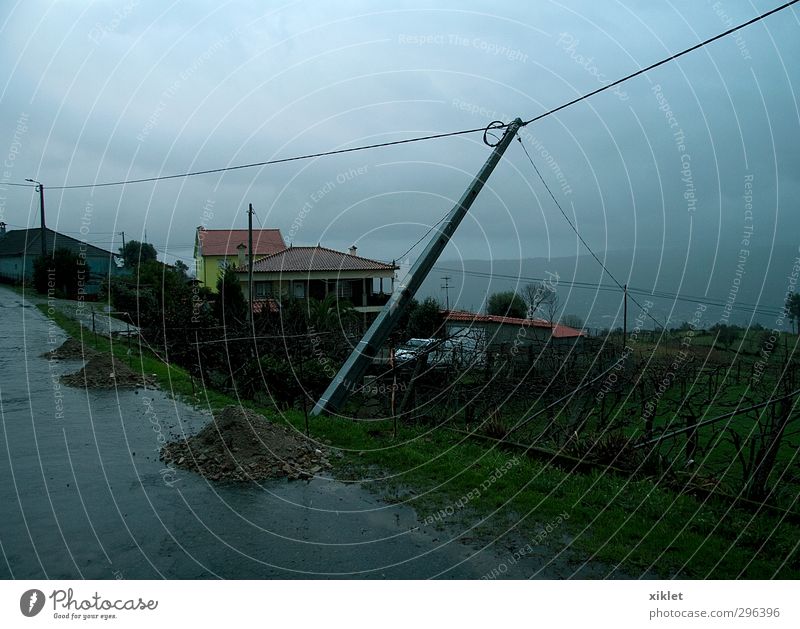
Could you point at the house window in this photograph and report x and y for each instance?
(299, 290)
(344, 289)
(223, 264)
(263, 289)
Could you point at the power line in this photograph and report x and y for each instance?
(577, 233)
(426, 137)
(759, 309)
(741, 306)
(506, 276)
(270, 162)
(662, 62)
(424, 236)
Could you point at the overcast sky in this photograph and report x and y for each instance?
(118, 90)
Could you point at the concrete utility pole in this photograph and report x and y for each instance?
(42, 232)
(349, 376)
(250, 262)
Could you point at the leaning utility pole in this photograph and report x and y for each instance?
(250, 262)
(352, 371)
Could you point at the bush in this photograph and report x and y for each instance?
(425, 320)
(64, 273)
(507, 304)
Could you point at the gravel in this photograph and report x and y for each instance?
(104, 372)
(241, 445)
(71, 349)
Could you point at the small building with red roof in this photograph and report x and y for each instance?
(488, 331)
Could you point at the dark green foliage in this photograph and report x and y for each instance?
(793, 310)
(135, 253)
(63, 273)
(173, 313)
(425, 320)
(231, 306)
(507, 304)
(726, 334)
(330, 314)
(296, 345)
(182, 268)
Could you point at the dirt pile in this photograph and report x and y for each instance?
(104, 372)
(242, 445)
(71, 349)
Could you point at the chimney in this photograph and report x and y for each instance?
(353, 250)
(241, 250)
(2, 229)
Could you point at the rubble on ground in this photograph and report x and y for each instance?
(104, 372)
(71, 349)
(239, 445)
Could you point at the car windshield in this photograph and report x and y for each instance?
(415, 343)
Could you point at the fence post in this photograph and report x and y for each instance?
(394, 389)
(303, 388)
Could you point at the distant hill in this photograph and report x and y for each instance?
(759, 278)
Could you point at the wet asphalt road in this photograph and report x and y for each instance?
(83, 494)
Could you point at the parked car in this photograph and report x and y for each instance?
(412, 349)
(457, 351)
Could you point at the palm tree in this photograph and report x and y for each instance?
(330, 314)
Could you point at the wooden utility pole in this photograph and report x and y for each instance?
(250, 263)
(42, 231)
(446, 288)
(351, 373)
(624, 317)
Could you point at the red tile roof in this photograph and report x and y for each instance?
(307, 259)
(559, 331)
(223, 242)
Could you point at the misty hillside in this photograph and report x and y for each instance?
(762, 278)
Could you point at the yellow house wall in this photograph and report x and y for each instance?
(208, 270)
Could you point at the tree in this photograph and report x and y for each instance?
(231, 306)
(330, 314)
(425, 320)
(793, 309)
(135, 253)
(507, 304)
(726, 334)
(182, 268)
(541, 298)
(63, 272)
